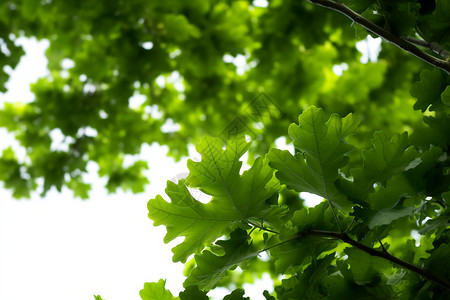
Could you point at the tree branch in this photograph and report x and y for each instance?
(387, 35)
(383, 254)
(435, 47)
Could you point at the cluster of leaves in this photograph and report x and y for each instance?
(379, 187)
(181, 58)
(356, 244)
(429, 19)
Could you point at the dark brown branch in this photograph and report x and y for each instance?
(435, 47)
(387, 35)
(383, 254)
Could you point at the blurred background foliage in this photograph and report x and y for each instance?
(198, 68)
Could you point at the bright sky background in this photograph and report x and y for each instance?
(65, 248)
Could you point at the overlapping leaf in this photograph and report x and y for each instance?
(438, 262)
(386, 159)
(306, 284)
(235, 197)
(320, 152)
(428, 91)
(375, 218)
(405, 184)
(297, 251)
(237, 294)
(437, 25)
(365, 268)
(186, 216)
(193, 293)
(211, 267)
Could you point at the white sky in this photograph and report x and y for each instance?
(65, 248)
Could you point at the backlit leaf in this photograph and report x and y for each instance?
(320, 152)
(235, 197)
(211, 267)
(156, 291)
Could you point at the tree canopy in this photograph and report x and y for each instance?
(203, 67)
(371, 139)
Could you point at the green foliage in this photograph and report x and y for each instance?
(428, 91)
(178, 57)
(323, 252)
(381, 231)
(155, 291)
(320, 152)
(211, 268)
(236, 197)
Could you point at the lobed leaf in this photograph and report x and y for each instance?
(193, 293)
(386, 159)
(235, 197)
(320, 152)
(365, 268)
(156, 291)
(211, 267)
(375, 218)
(428, 91)
(237, 294)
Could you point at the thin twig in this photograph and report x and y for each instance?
(387, 35)
(383, 254)
(435, 47)
(279, 244)
(378, 238)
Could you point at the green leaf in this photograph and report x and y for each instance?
(320, 152)
(193, 293)
(317, 217)
(98, 297)
(180, 28)
(307, 284)
(406, 184)
(237, 294)
(156, 291)
(436, 26)
(375, 218)
(268, 296)
(296, 252)
(185, 216)
(435, 134)
(439, 222)
(364, 267)
(358, 5)
(235, 197)
(218, 168)
(438, 263)
(386, 159)
(428, 91)
(211, 267)
(445, 96)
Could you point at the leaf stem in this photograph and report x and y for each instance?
(335, 215)
(279, 244)
(379, 240)
(261, 227)
(387, 35)
(383, 254)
